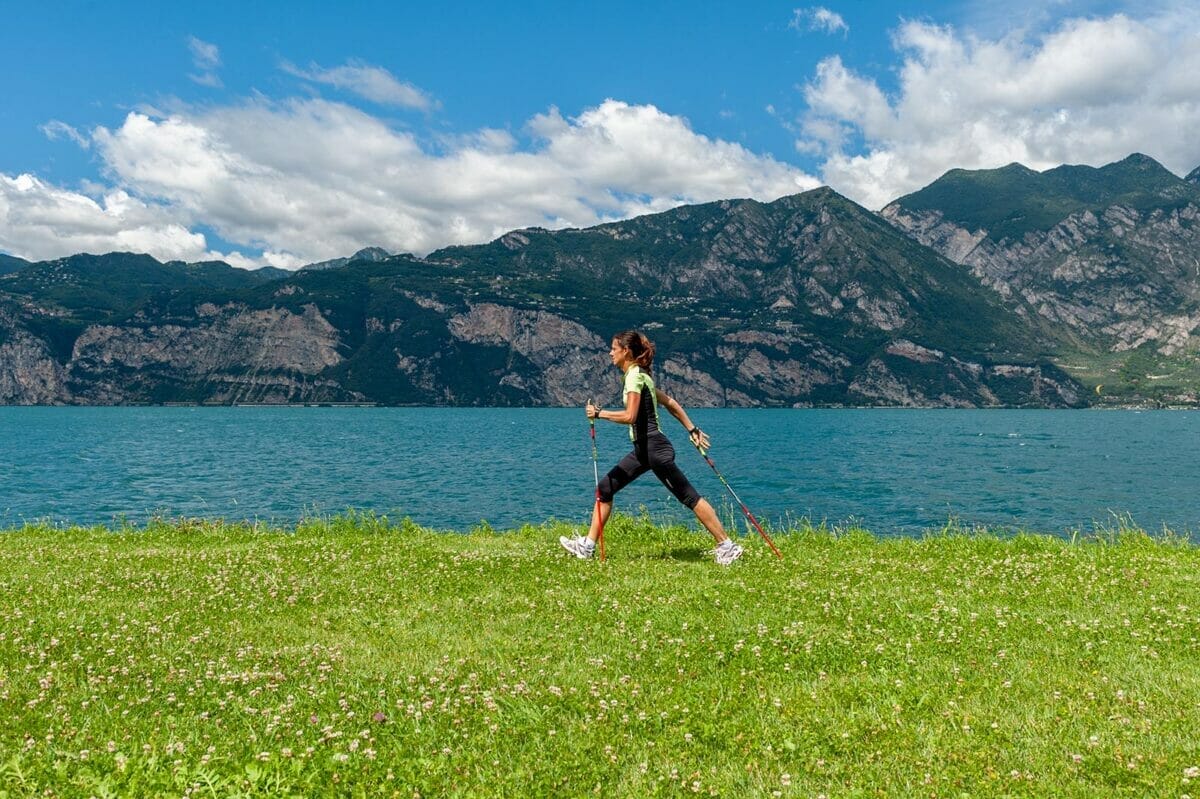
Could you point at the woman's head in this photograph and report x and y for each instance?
(633, 346)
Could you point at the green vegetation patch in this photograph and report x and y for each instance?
(357, 657)
(1136, 377)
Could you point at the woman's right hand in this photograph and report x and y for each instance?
(592, 411)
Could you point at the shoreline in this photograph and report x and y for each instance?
(800, 530)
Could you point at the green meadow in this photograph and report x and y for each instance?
(358, 656)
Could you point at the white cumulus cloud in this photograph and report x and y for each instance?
(39, 221)
(1090, 91)
(372, 83)
(303, 180)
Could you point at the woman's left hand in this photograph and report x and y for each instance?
(592, 411)
(700, 438)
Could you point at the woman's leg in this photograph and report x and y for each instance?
(600, 513)
(629, 469)
(662, 459)
(708, 517)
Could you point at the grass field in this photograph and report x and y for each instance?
(352, 656)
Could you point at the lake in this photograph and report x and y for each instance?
(896, 472)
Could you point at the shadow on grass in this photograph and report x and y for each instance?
(689, 554)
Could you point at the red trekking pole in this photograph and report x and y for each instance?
(736, 498)
(596, 474)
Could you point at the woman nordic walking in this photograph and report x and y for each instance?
(633, 353)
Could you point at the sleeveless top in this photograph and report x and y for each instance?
(646, 423)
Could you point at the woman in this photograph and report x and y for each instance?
(633, 353)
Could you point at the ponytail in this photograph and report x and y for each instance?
(639, 346)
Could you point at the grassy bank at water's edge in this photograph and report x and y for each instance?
(353, 656)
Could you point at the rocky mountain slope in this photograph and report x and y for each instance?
(807, 300)
(1107, 260)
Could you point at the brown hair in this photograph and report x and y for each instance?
(638, 345)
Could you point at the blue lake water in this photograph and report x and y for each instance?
(895, 472)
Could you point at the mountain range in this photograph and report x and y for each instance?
(1004, 287)
(1107, 261)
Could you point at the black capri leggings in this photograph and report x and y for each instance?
(653, 453)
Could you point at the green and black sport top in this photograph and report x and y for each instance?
(646, 423)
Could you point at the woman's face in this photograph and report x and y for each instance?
(618, 353)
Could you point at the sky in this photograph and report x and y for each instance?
(272, 133)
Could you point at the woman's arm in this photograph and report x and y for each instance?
(698, 436)
(633, 399)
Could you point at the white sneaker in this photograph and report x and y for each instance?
(728, 552)
(579, 546)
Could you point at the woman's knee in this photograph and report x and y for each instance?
(679, 486)
(605, 489)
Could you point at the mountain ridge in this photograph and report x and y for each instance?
(808, 300)
(997, 201)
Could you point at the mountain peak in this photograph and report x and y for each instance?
(818, 192)
(813, 198)
(1142, 166)
(1138, 159)
(1193, 177)
(1010, 170)
(371, 254)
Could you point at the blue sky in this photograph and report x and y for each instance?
(284, 133)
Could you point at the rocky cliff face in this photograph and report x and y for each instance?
(225, 354)
(569, 358)
(1123, 278)
(955, 383)
(29, 373)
